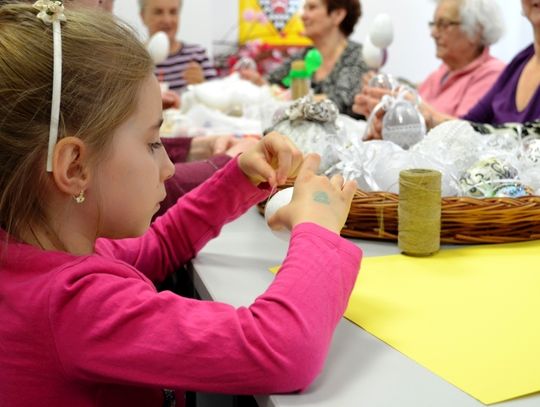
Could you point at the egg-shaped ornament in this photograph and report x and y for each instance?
(372, 55)
(384, 81)
(158, 47)
(381, 31)
(403, 124)
(245, 63)
(492, 177)
(277, 201)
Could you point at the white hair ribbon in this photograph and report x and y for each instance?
(52, 12)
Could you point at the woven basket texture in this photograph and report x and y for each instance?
(374, 215)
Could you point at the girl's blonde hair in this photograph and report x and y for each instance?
(104, 66)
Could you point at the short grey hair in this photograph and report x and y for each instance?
(481, 16)
(142, 3)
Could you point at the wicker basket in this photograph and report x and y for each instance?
(374, 215)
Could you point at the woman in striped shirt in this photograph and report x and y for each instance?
(187, 63)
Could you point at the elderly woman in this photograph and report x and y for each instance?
(463, 30)
(187, 63)
(514, 97)
(329, 23)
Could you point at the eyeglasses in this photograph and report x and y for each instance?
(442, 25)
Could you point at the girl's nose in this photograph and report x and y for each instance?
(167, 167)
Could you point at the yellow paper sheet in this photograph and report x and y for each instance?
(469, 315)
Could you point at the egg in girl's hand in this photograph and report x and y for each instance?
(381, 32)
(158, 47)
(278, 200)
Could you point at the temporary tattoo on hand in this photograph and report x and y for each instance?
(321, 197)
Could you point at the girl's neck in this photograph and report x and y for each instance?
(65, 239)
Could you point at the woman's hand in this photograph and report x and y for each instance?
(170, 99)
(273, 159)
(251, 75)
(203, 147)
(316, 199)
(194, 73)
(366, 100)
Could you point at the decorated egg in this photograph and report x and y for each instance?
(278, 200)
(403, 124)
(487, 178)
(512, 190)
(381, 31)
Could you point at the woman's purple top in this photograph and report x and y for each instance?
(499, 104)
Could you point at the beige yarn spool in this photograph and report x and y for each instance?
(299, 85)
(419, 212)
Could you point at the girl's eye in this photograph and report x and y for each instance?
(155, 146)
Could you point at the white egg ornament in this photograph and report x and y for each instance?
(372, 55)
(278, 200)
(158, 47)
(381, 32)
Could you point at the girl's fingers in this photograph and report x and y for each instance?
(337, 181)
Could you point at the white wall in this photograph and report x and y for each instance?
(411, 55)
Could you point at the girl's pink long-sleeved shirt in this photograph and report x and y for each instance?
(92, 330)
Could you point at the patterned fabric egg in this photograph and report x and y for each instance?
(486, 177)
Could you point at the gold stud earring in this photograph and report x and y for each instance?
(80, 198)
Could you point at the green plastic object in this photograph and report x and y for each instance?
(312, 61)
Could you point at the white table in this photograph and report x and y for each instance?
(360, 370)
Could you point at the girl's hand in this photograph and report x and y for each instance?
(273, 159)
(316, 199)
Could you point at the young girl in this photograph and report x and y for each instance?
(82, 324)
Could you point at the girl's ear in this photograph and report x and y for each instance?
(70, 166)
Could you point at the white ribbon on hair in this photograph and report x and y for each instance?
(52, 12)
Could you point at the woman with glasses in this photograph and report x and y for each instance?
(462, 31)
(513, 98)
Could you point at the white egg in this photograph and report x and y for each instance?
(278, 200)
(372, 55)
(158, 47)
(381, 31)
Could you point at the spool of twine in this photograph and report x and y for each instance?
(299, 85)
(419, 212)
